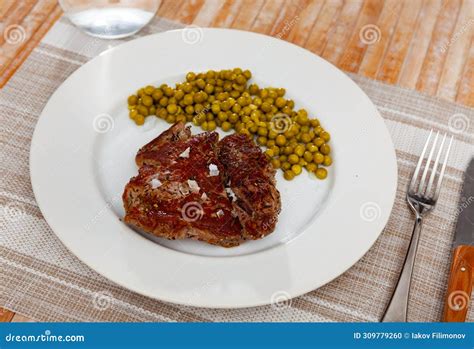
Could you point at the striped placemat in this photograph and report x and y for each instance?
(41, 279)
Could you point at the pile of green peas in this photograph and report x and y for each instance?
(224, 99)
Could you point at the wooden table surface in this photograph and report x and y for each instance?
(425, 45)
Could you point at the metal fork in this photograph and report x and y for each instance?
(422, 198)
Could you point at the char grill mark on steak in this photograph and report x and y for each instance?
(252, 179)
(178, 208)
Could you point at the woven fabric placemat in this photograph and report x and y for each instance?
(41, 279)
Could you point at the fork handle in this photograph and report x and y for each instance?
(397, 308)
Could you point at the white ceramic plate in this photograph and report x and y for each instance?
(83, 150)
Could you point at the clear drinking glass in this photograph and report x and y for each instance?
(110, 19)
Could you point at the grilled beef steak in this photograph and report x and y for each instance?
(196, 187)
(179, 191)
(251, 178)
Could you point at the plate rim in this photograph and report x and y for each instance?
(71, 249)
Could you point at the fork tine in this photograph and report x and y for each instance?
(435, 166)
(420, 161)
(443, 168)
(427, 165)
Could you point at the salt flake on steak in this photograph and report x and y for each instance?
(185, 154)
(193, 186)
(155, 183)
(231, 194)
(213, 170)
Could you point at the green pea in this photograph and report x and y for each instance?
(296, 169)
(325, 149)
(280, 140)
(318, 141)
(253, 89)
(266, 107)
(142, 110)
(318, 158)
(211, 125)
(163, 101)
(308, 156)
(311, 148)
(321, 173)
(325, 135)
(172, 108)
(293, 159)
(311, 167)
(226, 126)
(132, 100)
(148, 90)
(178, 95)
(327, 160)
(147, 101)
(280, 102)
(139, 119)
(299, 150)
(289, 175)
(190, 76)
(215, 108)
(189, 109)
(276, 163)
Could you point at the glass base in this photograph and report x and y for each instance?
(111, 23)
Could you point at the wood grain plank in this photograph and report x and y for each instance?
(355, 49)
(208, 12)
(386, 24)
(465, 93)
(308, 17)
(400, 43)
(6, 315)
(434, 61)
(7, 70)
(247, 14)
(188, 11)
(15, 17)
(410, 67)
(341, 33)
(227, 14)
(170, 8)
(458, 49)
(5, 7)
(267, 16)
(318, 37)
